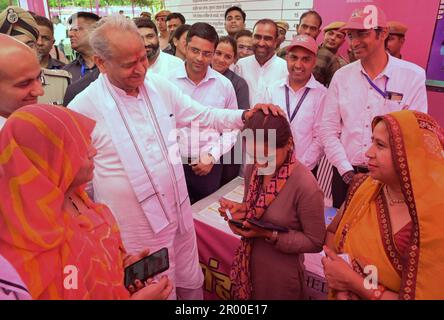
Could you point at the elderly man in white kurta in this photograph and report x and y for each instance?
(137, 173)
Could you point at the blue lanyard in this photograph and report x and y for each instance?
(83, 70)
(384, 93)
(287, 101)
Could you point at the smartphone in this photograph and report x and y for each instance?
(147, 267)
(237, 223)
(267, 225)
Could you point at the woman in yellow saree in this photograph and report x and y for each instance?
(391, 226)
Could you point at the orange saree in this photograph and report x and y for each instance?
(417, 144)
(58, 255)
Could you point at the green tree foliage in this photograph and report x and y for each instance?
(5, 3)
(152, 4)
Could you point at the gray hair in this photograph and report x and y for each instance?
(99, 38)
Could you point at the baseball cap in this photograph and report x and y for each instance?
(303, 41)
(369, 17)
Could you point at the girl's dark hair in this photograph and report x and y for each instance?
(230, 41)
(181, 30)
(269, 122)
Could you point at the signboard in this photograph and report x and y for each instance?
(213, 11)
(435, 67)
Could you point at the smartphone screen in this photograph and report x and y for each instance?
(147, 267)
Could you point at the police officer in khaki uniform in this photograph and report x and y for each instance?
(20, 24)
(396, 38)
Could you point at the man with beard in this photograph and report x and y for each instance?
(159, 62)
(374, 85)
(264, 67)
(196, 79)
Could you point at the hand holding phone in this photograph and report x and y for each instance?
(147, 267)
(267, 225)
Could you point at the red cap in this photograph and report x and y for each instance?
(369, 17)
(303, 41)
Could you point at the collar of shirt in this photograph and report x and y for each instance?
(266, 64)
(54, 64)
(312, 83)
(123, 95)
(181, 73)
(80, 61)
(387, 72)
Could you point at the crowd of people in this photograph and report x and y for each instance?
(101, 158)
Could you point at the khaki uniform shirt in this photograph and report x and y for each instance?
(55, 83)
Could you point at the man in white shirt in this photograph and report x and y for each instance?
(302, 97)
(374, 85)
(160, 62)
(210, 88)
(264, 67)
(20, 76)
(138, 171)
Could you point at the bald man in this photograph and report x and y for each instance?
(21, 25)
(20, 76)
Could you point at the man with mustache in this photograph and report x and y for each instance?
(264, 67)
(45, 42)
(159, 61)
(375, 84)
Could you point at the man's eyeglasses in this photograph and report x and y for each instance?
(205, 54)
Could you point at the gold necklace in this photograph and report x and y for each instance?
(392, 201)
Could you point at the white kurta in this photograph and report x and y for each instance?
(259, 77)
(164, 64)
(113, 187)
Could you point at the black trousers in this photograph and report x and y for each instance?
(200, 187)
(339, 188)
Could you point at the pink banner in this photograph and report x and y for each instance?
(216, 252)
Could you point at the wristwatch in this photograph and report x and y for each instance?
(274, 237)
